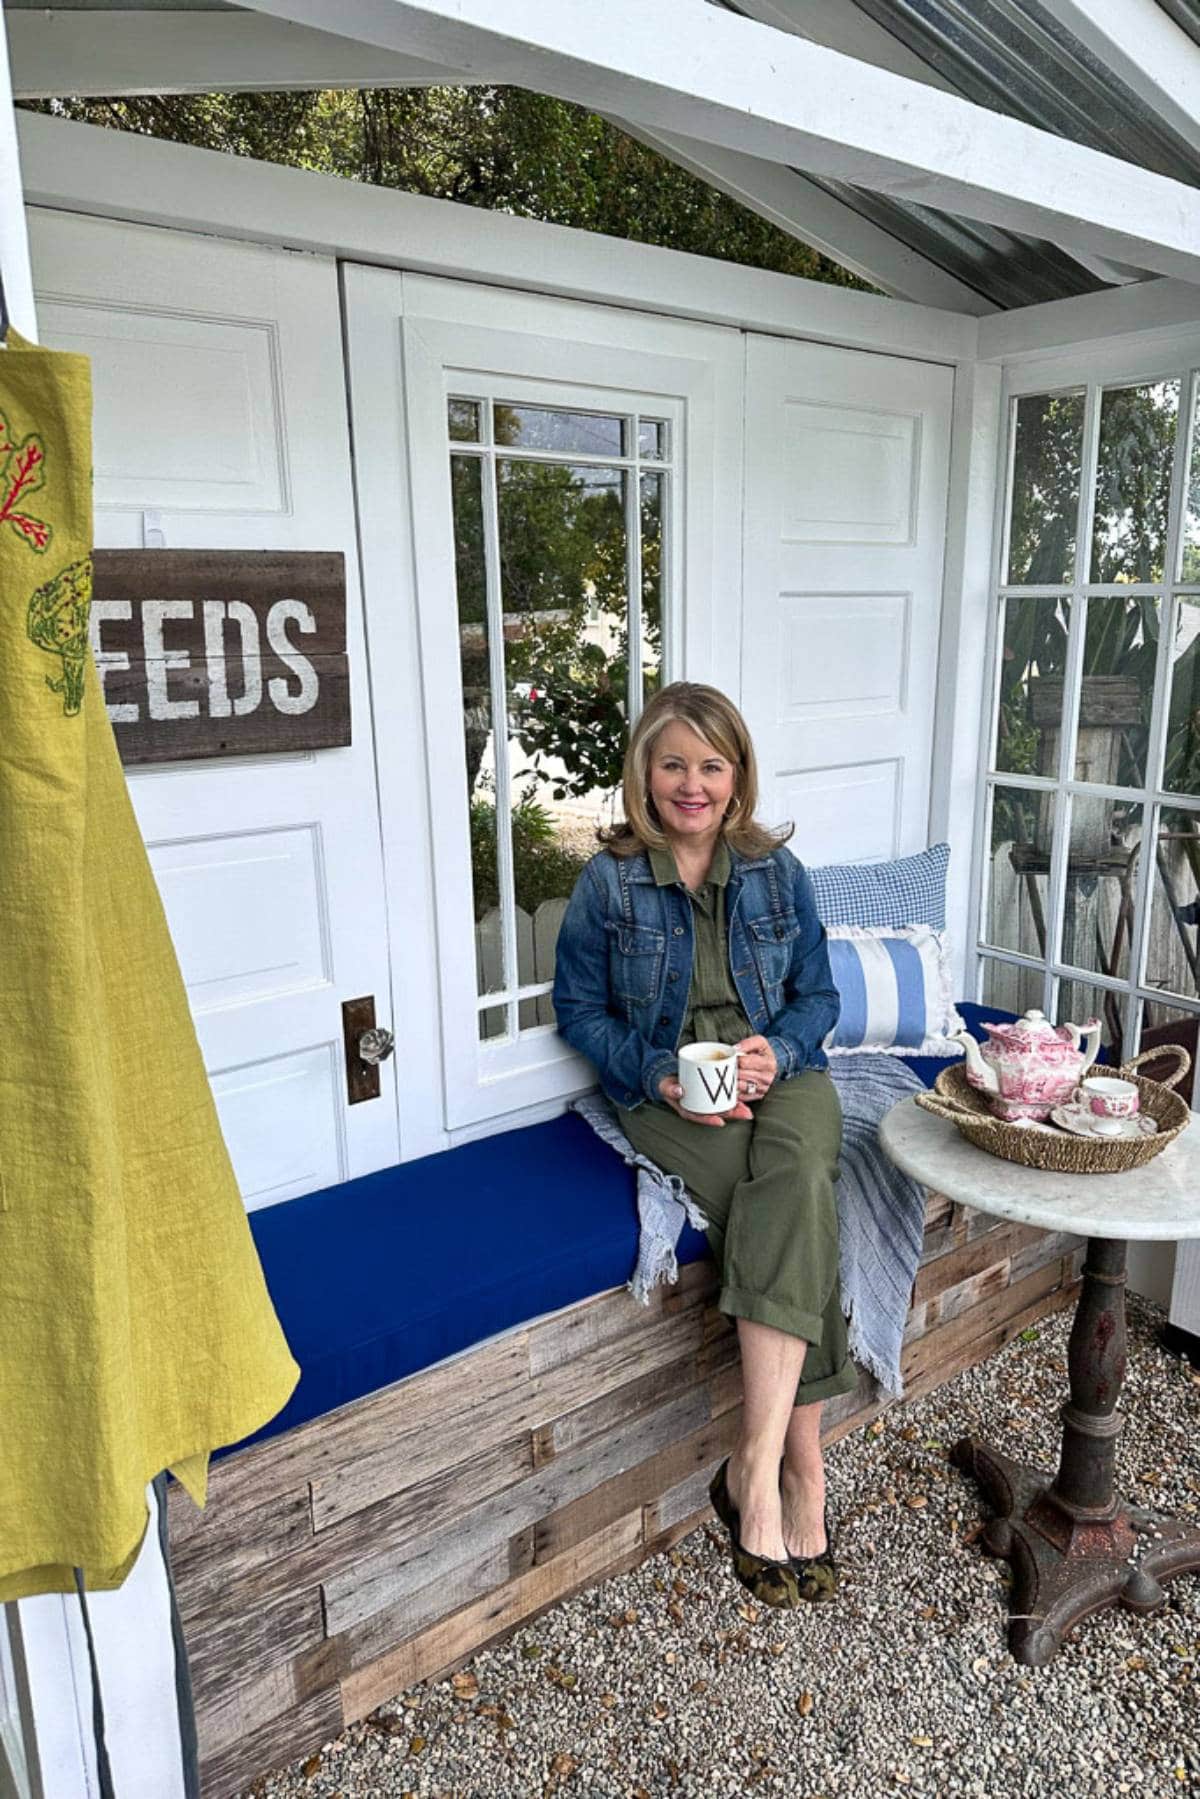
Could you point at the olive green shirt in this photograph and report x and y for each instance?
(714, 1012)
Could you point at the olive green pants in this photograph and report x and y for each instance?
(766, 1190)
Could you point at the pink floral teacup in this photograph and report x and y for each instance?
(1108, 1099)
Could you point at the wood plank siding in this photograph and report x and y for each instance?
(386, 1542)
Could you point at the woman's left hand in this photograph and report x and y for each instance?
(757, 1067)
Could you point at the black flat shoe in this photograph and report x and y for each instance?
(817, 1575)
(772, 1583)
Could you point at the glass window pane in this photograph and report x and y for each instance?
(1119, 656)
(653, 487)
(1018, 868)
(1079, 1002)
(1173, 952)
(1190, 535)
(1033, 656)
(1133, 481)
(652, 439)
(1181, 773)
(1011, 989)
(1106, 841)
(462, 419)
(493, 1023)
(566, 612)
(466, 487)
(549, 428)
(1045, 496)
(1164, 1024)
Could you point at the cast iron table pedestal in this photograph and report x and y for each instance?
(1074, 1545)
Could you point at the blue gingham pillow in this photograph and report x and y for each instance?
(896, 989)
(911, 890)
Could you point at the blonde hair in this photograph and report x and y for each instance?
(717, 720)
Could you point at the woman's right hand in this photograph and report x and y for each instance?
(671, 1093)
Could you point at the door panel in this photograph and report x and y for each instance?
(221, 423)
(846, 482)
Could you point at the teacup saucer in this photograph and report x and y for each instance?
(1085, 1124)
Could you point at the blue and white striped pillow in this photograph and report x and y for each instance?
(897, 991)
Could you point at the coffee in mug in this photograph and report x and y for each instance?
(708, 1076)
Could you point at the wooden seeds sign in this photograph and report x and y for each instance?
(221, 652)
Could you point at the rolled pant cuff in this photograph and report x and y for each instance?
(829, 1386)
(761, 1310)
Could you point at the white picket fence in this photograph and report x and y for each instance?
(537, 936)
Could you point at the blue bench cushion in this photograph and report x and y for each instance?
(385, 1275)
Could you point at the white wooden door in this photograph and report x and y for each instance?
(415, 344)
(847, 460)
(221, 423)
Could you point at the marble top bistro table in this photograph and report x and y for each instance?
(1075, 1546)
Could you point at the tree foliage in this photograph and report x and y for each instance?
(501, 148)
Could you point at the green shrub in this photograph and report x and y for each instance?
(542, 868)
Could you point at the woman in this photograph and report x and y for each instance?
(695, 924)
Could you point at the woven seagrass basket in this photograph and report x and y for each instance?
(955, 1099)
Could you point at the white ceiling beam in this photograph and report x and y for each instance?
(687, 68)
(806, 211)
(128, 52)
(1145, 49)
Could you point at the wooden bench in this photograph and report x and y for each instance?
(383, 1543)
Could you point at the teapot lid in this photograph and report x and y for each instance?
(1033, 1023)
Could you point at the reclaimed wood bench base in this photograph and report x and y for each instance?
(386, 1542)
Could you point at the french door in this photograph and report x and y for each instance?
(570, 478)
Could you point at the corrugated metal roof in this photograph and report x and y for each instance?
(1012, 56)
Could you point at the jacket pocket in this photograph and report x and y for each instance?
(772, 941)
(635, 961)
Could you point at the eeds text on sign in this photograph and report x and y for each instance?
(221, 652)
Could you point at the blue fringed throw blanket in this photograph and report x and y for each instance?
(881, 1212)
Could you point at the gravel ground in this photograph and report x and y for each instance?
(670, 1681)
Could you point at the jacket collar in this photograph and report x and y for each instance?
(637, 868)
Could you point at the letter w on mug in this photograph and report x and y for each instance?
(708, 1076)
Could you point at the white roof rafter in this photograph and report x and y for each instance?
(107, 52)
(1144, 48)
(688, 69)
(806, 211)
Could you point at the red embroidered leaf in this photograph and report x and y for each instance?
(35, 531)
(8, 440)
(25, 473)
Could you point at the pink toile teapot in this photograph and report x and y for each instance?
(1029, 1067)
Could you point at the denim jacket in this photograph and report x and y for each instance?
(624, 966)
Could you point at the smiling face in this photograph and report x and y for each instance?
(691, 784)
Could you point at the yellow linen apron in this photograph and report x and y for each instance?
(136, 1332)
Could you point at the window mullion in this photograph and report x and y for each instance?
(496, 676)
(633, 594)
(1056, 895)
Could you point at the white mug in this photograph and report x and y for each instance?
(708, 1076)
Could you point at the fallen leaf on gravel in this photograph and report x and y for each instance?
(921, 1742)
(915, 1501)
(564, 1766)
(698, 1686)
(1135, 1662)
(804, 1704)
(608, 1700)
(877, 1429)
(660, 1711)
(531, 1651)
(465, 1684)
(981, 1665)
(631, 1617)
(749, 1613)
(415, 1745)
(910, 1433)
(928, 1611)
(312, 1766)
